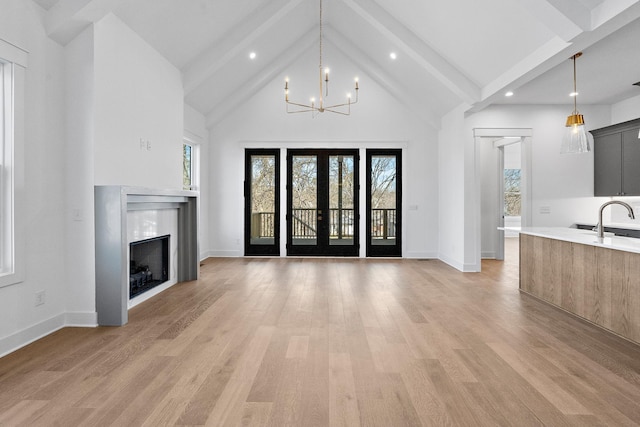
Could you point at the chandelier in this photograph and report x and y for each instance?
(319, 107)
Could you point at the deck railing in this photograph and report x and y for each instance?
(341, 224)
(383, 223)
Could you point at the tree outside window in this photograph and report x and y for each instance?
(187, 166)
(512, 192)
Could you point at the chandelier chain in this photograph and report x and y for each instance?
(320, 34)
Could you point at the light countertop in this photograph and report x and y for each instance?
(584, 237)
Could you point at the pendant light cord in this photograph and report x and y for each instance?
(575, 87)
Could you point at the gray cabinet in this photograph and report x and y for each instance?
(617, 159)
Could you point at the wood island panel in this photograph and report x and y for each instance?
(598, 284)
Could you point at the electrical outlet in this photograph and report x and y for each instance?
(39, 298)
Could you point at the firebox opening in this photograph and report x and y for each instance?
(148, 264)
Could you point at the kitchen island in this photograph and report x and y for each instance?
(597, 279)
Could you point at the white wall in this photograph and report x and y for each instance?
(80, 119)
(138, 95)
(45, 159)
(378, 120)
(452, 164)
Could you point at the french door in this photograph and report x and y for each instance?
(262, 202)
(322, 202)
(384, 202)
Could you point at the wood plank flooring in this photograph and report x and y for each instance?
(330, 342)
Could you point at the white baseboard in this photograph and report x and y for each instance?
(488, 255)
(420, 255)
(33, 333)
(225, 254)
(465, 268)
(79, 319)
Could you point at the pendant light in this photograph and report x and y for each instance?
(575, 137)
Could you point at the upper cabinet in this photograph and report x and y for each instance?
(617, 159)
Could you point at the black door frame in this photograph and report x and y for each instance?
(385, 250)
(323, 246)
(253, 249)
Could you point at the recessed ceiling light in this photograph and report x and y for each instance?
(252, 55)
(508, 93)
(393, 55)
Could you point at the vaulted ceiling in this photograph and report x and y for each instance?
(448, 53)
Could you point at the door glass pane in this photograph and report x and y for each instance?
(263, 199)
(383, 200)
(341, 200)
(304, 191)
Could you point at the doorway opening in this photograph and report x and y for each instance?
(503, 191)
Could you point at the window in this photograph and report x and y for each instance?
(190, 178)
(512, 193)
(6, 171)
(12, 73)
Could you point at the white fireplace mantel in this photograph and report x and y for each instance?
(112, 203)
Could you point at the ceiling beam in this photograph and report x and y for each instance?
(262, 77)
(528, 68)
(67, 18)
(554, 19)
(570, 18)
(609, 9)
(536, 64)
(574, 10)
(388, 82)
(236, 42)
(413, 46)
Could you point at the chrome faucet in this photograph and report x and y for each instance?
(600, 226)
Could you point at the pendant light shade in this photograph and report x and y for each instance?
(575, 138)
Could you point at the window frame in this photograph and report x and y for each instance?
(195, 164)
(13, 62)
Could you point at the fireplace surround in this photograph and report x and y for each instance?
(115, 206)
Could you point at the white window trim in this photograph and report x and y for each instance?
(14, 62)
(195, 162)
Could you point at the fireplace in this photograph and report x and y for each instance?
(125, 216)
(148, 264)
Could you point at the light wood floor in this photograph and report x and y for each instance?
(318, 342)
